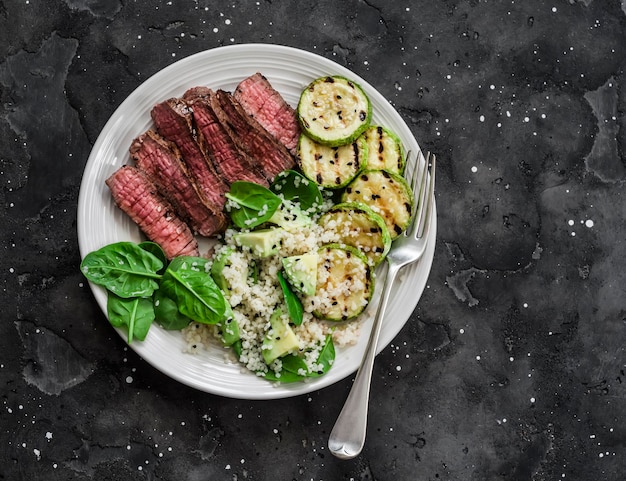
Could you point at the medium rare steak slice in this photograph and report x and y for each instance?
(174, 121)
(265, 104)
(161, 160)
(214, 139)
(138, 197)
(270, 155)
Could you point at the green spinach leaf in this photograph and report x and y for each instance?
(123, 268)
(294, 186)
(167, 314)
(187, 282)
(136, 314)
(284, 377)
(157, 251)
(295, 369)
(255, 204)
(326, 357)
(294, 305)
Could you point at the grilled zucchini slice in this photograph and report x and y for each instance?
(334, 111)
(386, 193)
(384, 149)
(357, 225)
(345, 283)
(331, 167)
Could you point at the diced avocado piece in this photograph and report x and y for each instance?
(301, 272)
(290, 216)
(262, 243)
(229, 329)
(217, 269)
(279, 340)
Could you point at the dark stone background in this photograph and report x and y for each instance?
(512, 367)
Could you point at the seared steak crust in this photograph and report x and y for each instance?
(265, 104)
(216, 142)
(138, 197)
(200, 144)
(270, 155)
(173, 120)
(161, 160)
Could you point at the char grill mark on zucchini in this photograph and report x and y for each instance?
(334, 111)
(357, 225)
(331, 167)
(387, 194)
(384, 149)
(344, 285)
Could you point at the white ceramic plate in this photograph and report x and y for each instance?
(100, 222)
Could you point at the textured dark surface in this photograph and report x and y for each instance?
(511, 368)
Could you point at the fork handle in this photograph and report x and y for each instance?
(348, 435)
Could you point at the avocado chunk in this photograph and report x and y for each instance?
(290, 216)
(262, 242)
(217, 269)
(229, 329)
(279, 340)
(301, 272)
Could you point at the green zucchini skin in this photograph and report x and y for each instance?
(345, 283)
(384, 149)
(357, 225)
(334, 110)
(386, 193)
(331, 167)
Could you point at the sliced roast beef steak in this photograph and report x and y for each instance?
(136, 195)
(270, 155)
(173, 120)
(265, 104)
(162, 161)
(216, 142)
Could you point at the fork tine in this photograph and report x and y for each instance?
(415, 174)
(426, 196)
(419, 192)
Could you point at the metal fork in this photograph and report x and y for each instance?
(348, 435)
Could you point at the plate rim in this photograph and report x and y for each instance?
(273, 392)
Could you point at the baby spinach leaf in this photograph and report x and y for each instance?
(187, 282)
(136, 314)
(123, 268)
(254, 204)
(295, 364)
(167, 314)
(254, 271)
(294, 305)
(294, 367)
(156, 250)
(284, 377)
(294, 186)
(326, 357)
